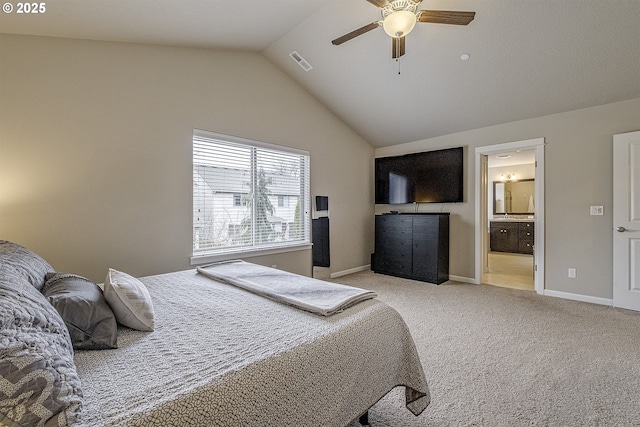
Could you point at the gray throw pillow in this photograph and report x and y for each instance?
(26, 263)
(89, 319)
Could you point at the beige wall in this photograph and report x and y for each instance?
(95, 151)
(95, 160)
(578, 173)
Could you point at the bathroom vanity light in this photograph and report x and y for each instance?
(508, 177)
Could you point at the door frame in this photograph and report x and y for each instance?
(482, 217)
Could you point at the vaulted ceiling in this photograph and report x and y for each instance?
(527, 58)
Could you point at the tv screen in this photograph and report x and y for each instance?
(428, 177)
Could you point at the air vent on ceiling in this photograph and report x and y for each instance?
(300, 60)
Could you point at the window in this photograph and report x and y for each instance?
(244, 195)
(283, 201)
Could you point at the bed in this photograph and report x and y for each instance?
(219, 355)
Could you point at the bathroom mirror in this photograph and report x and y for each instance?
(514, 197)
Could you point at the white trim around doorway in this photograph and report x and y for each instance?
(481, 206)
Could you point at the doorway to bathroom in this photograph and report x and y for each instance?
(510, 215)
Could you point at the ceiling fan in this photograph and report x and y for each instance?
(400, 16)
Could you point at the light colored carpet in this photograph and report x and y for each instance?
(503, 357)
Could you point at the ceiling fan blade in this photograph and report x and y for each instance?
(379, 3)
(445, 17)
(355, 33)
(397, 47)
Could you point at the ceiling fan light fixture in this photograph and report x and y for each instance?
(399, 23)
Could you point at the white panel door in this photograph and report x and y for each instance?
(626, 220)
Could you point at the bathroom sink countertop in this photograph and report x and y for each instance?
(513, 219)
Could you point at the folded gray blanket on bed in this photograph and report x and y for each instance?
(316, 296)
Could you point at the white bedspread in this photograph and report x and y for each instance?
(222, 356)
(306, 293)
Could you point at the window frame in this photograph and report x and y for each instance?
(212, 255)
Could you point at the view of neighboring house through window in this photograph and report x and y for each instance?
(248, 195)
(283, 201)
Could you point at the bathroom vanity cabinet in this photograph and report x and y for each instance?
(512, 236)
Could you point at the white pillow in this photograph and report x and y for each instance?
(129, 300)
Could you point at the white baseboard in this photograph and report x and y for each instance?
(463, 279)
(368, 267)
(350, 271)
(578, 297)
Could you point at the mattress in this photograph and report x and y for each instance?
(223, 356)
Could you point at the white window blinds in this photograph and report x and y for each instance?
(237, 184)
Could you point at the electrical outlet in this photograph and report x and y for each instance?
(274, 266)
(572, 273)
(597, 210)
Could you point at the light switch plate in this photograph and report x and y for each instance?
(597, 210)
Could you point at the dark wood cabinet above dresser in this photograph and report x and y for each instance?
(414, 246)
(512, 236)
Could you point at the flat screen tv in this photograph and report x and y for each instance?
(427, 177)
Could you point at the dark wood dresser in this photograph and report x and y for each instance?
(413, 246)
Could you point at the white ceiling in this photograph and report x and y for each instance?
(528, 57)
(511, 158)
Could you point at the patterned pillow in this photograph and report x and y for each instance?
(91, 323)
(28, 264)
(39, 384)
(129, 300)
